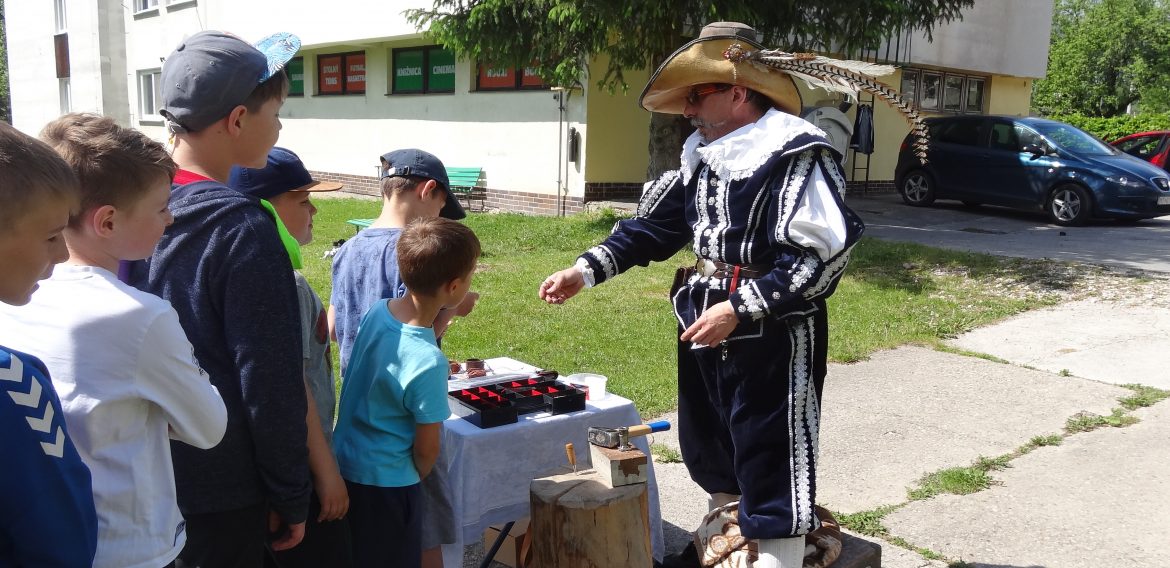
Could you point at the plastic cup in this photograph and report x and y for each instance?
(593, 384)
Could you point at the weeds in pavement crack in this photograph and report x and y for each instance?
(1142, 397)
(1087, 421)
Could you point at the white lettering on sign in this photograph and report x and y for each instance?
(496, 73)
(410, 71)
(356, 68)
(529, 72)
(355, 78)
(298, 77)
(331, 69)
(331, 80)
(443, 69)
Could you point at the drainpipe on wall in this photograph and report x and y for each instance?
(562, 180)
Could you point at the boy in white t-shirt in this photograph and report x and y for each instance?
(119, 359)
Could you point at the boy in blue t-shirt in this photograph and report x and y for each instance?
(47, 515)
(394, 398)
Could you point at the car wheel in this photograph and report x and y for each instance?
(1069, 204)
(917, 189)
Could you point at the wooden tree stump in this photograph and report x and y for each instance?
(579, 522)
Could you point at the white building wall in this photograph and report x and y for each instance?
(1002, 37)
(32, 71)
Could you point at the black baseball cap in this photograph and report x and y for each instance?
(210, 73)
(415, 162)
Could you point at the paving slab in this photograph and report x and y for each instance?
(910, 411)
(1103, 341)
(1100, 499)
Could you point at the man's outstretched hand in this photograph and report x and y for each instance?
(562, 285)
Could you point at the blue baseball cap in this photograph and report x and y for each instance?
(415, 162)
(210, 73)
(284, 172)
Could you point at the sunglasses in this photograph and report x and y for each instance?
(697, 93)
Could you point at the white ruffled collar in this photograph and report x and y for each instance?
(742, 151)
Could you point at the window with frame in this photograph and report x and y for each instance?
(60, 21)
(428, 69)
(508, 79)
(144, 5)
(341, 73)
(943, 92)
(149, 94)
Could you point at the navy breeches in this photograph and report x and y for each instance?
(748, 422)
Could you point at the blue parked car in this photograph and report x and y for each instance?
(1031, 164)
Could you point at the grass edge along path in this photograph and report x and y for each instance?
(977, 477)
(892, 294)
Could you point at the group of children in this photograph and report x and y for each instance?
(170, 397)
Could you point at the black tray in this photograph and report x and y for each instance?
(483, 407)
(500, 403)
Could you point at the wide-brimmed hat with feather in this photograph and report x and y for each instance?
(730, 53)
(701, 61)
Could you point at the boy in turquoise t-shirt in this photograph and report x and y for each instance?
(394, 398)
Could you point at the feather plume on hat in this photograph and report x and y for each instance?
(839, 76)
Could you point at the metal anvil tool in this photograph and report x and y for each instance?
(616, 461)
(620, 437)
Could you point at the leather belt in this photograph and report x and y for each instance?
(715, 269)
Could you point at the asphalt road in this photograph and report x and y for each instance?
(1143, 245)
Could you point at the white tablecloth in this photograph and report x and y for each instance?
(490, 469)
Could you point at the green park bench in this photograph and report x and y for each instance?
(464, 184)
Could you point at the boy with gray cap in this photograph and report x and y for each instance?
(223, 267)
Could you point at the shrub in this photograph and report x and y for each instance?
(1114, 127)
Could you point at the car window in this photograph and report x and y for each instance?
(1075, 140)
(1004, 137)
(965, 132)
(1143, 147)
(1028, 137)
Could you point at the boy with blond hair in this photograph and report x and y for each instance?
(223, 266)
(394, 398)
(47, 514)
(119, 358)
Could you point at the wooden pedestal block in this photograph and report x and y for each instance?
(580, 522)
(618, 467)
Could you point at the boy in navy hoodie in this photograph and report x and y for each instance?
(47, 515)
(223, 266)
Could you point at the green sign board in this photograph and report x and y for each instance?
(296, 77)
(408, 71)
(440, 70)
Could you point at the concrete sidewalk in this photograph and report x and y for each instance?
(1099, 499)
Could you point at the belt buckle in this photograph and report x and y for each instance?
(705, 267)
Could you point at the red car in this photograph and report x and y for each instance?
(1152, 147)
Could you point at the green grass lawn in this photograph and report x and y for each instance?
(892, 294)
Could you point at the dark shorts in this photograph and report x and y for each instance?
(385, 525)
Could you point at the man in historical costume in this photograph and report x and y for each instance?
(759, 194)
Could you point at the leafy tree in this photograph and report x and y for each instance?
(1106, 55)
(561, 37)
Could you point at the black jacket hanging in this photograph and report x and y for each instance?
(862, 140)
